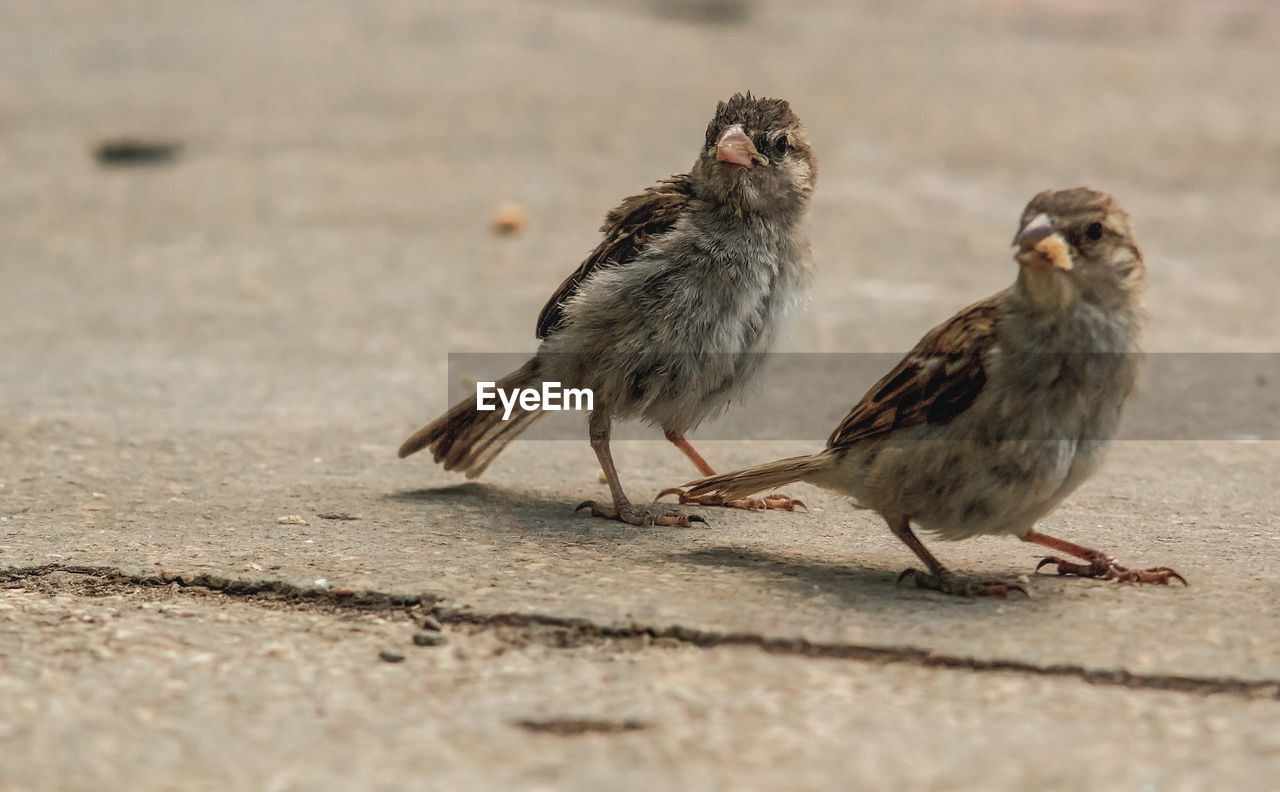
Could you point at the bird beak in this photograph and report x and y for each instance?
(1034, 231)
(1039, 244)
(734, 146)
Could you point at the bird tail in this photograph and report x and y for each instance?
(748, 481)
(468, 439)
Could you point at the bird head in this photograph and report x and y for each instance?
(756, 158)
(1077, 246)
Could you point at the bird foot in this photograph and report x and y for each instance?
(774, 501)
(1104, 567)
(640, 515)
(947, 583)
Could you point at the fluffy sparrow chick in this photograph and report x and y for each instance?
(1001, 411)
(666, 319)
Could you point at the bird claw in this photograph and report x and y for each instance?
(1105, 568)
(684, 499)
(774, 501)
(947, 583)
(640, 515)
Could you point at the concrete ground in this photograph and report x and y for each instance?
(212, 566)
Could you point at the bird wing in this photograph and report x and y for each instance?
(937, 380)
(626, 230)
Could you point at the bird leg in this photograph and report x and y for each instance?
(774, 500)
(621, 508)
(680, 442)
(1100, 564)
(939, 578)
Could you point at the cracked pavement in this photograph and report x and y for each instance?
(197, 352)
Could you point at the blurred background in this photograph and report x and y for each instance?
(325, 198)
(240, 241)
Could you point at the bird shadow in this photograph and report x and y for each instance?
(474, 496)
(849, 585)
(507, 511)
(471, 492)
(854, 586)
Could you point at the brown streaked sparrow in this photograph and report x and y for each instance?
(1000, 412)
(666, 319)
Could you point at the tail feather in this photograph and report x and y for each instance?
(468, 439)
(483, 452)
(748, 481)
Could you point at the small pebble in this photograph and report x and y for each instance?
(291, 519)
(135, 151)
(430, 622)
(509, 220)
(429, 638)
(390, 656)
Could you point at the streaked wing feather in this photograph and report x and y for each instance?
(626, 230)
(938, 380)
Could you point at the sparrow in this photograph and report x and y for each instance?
(665, 321)
(1001, 411)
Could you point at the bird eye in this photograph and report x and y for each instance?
(780, 145)
(1094, 231)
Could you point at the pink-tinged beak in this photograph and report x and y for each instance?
(1036, 229)
(1040, 245)
(734, 146)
